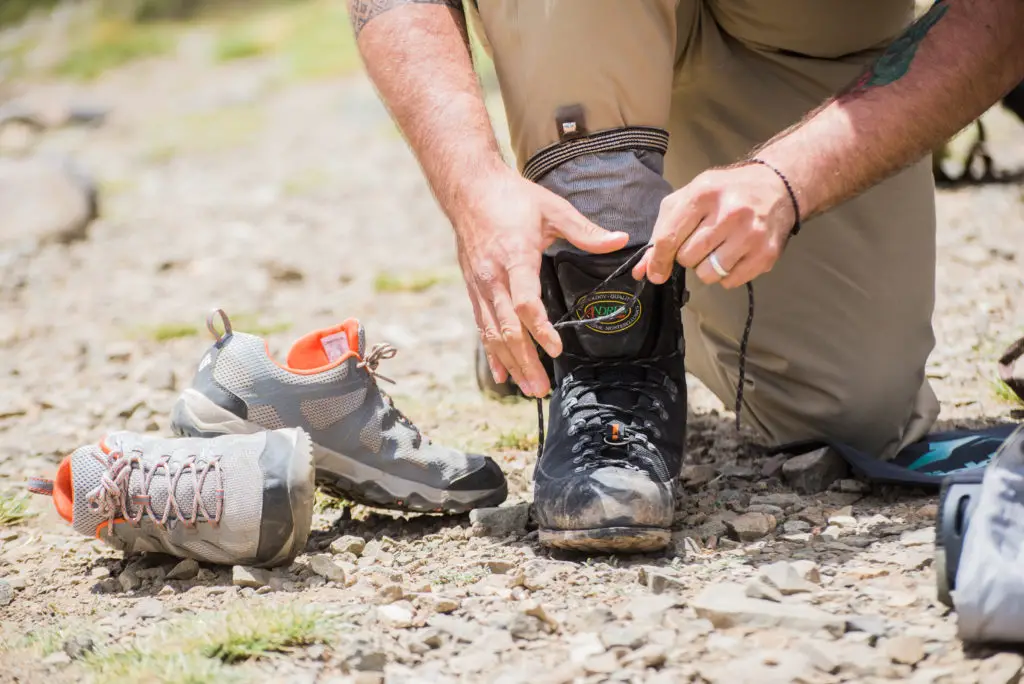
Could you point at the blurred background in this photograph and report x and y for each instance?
(159, 158)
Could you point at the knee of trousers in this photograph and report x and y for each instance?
(870, 412)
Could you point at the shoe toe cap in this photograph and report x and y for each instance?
(606, 497)
(487, 477)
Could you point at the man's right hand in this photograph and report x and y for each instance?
(504, 223)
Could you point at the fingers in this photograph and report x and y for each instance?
(562, 219)
(524, 284)
(728, 255)
(640, 270)
(486, 327)
(679, 217)
(525, 363)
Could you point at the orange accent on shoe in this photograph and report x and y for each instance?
(308, 356)
(64, 491)
(103, 446)
(103, 525)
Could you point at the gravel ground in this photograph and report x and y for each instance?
(295, 205)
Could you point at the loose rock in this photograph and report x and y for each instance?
(502, 522)
(348, 544)
(398, 615)
(786, 579)
(813, 472)
(185, 570)
(922, 537)
(904, 649)
(658, 581)
(726, 605)
(325, 566)
(78, 645)
(629, 636)
(128, 580)
(6, 593)
(243, 576)
(759, 589)
(751, 526)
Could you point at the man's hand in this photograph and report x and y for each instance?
(742, 215)
(504, 224)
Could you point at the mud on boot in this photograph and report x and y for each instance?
(617, 419)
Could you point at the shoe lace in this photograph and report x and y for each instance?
(110, 497)
(631, 431)
(380, 352)
(619, 434)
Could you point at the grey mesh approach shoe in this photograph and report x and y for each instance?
(233, 500)
(365, 449)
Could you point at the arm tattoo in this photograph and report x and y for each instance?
(363, 12)
(895, 61)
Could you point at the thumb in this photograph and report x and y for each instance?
(570, 224)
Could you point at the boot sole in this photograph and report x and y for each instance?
(196, 416)
(608, 539)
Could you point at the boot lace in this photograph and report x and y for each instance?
(111, 498)
(620, 435)
(625, 434)
(381, 352)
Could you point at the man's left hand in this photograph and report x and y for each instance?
(739, 216)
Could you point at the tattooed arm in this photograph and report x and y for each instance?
(948, 68)
(417, 55)
(954, 63)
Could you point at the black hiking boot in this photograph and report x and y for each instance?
(617, 420)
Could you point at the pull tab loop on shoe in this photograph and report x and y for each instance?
(40, 485)
(225, 322)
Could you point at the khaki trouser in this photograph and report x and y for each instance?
(843, 323)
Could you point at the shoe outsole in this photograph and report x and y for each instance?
(608, 539)
(194, 415)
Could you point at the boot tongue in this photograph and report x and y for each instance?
(624, 335)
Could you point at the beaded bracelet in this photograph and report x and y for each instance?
(789, 189)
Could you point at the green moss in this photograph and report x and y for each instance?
(13, 509)
(110, 44)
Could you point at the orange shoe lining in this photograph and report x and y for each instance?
(307, 355)
(64, 491)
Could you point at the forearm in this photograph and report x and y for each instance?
(945, 71)
(417, 55)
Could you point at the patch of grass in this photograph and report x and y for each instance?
(323, 502)
(417, 282)
(321, 43)
(1005, 394)
(112, 43)
(516, 440)
(312, 37)
(308, 182)
(171, 331)
(239, 44)
(14, 509)
(252, 324)
(215, 130)
(255, 633)
(206, 648)
(43, 641)
(136, 665)
(460, 578)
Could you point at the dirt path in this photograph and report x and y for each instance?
(296, 205)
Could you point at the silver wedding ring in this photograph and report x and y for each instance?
(713, 260)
